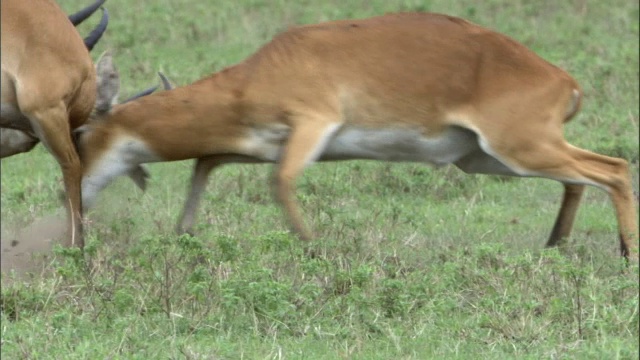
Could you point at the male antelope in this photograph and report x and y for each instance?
(108, 91)
(13, 141)
(48, 87)
(405, 87)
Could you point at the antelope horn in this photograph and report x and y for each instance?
(165, 82)
(95, 35)
(141, 94)
(83, 14)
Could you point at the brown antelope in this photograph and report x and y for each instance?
(108, 91)
(48, 87)
(404, 87)
(13, 141)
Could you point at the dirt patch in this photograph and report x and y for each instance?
(24, 250)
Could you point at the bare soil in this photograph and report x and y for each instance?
(25, 250)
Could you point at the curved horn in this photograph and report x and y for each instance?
(95, 35)
(165, 82)
(141, 94)
(83, 14)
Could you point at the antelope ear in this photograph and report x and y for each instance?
(108, 83)
(139, 175)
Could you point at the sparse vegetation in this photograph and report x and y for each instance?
(413, 262)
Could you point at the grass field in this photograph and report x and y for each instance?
(416, 262)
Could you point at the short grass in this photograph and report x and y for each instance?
(415, 262)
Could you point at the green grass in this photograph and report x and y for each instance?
(415, 262)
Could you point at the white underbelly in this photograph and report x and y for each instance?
(354, 142)
(400, 145)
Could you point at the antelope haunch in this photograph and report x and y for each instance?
(13, 142)
(48, 87)
(405, 87)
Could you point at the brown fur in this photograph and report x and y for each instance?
(50, 78)
(424, 72)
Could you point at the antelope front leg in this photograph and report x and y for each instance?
(199, 180)
(304, 146)
(52, 126)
